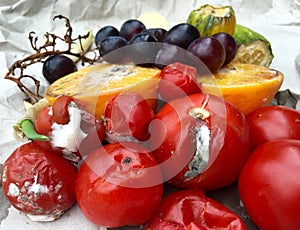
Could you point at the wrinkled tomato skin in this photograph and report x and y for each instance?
(31, 167)
(60, 109)
(273, 122)
(111, 193)
(173, 142)
(191, 209)
(178, 80)
(269, 185)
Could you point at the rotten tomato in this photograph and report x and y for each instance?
(191, 209)
(119, 184)
(200, 141)
(39, 183)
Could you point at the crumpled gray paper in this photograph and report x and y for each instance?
(277, 20)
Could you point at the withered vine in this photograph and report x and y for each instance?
(48, 48)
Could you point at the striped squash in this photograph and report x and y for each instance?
(210, 19)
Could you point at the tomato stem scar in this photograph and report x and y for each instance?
(198, 112)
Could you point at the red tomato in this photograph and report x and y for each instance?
(44, 122)
(273, 122)
(39, 183)
(42, 126)
(128, 115)
(269, 185)
(201, 141)
(191, 209)
(178, 80)
(119, 184)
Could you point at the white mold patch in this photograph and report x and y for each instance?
(37, 188)
(69, 136)
(13, 190)
(201, 157)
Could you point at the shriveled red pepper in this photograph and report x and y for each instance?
(178, 80)
(193, 210)
(127, 116)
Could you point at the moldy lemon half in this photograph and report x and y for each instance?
(246, 86)
(96, 84)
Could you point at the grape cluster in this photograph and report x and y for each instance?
(152, 47)
(156, 46)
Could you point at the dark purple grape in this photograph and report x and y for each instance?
(159, 33)
(144, 49)
(210, 51)
(56, 67)
(130, 28)
(105, 32)
(143, 37)
(229, 44)
(110, 44)
(181, 35)
(169, 54)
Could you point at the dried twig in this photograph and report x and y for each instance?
(41, 53)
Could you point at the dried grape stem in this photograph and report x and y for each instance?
(42, 52)
(32, 97)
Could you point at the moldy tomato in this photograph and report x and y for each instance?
(201, 141)
(191, 209)
(269, 185)
(119, 184)
(273, 122)
(39, 183)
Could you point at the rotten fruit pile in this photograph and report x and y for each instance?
(165, 106)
